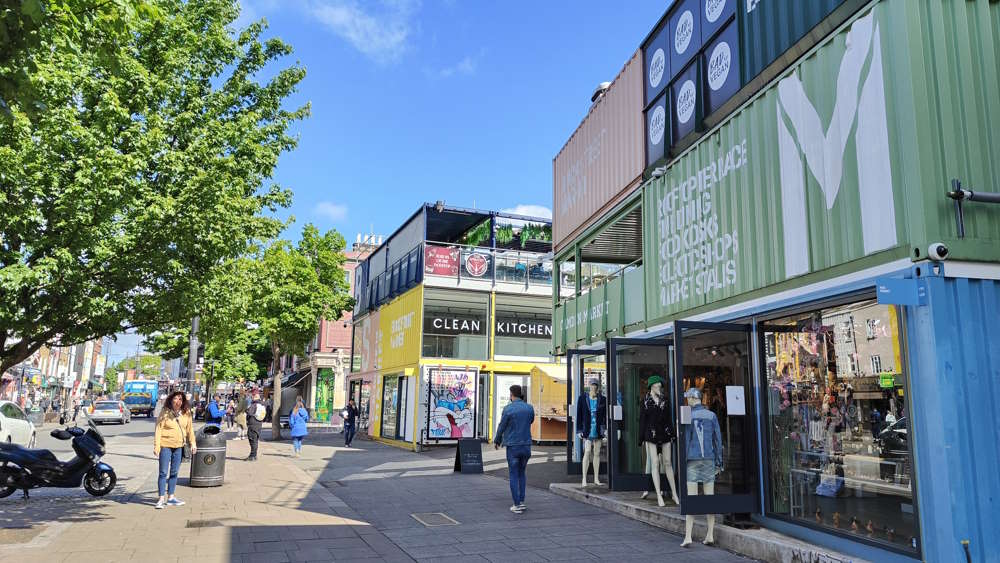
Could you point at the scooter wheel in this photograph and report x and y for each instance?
(6, 489)
(100, 483)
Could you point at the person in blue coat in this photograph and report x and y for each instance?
(297, 423)
(215, 412)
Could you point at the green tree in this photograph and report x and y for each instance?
(297, 286)
(148, 365)
(136, 151)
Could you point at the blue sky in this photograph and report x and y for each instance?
(465, 101)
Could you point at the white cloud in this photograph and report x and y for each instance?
(466, 66)
(530, 210)
(332, 211)
(380, 30)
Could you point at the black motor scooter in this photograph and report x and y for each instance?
(21, 468)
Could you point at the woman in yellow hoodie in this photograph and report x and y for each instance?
(174, 427)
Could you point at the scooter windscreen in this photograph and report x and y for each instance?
(94, 432)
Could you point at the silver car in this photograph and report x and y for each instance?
(110, 411)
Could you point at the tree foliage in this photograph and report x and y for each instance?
(136, 150)
(298, 285)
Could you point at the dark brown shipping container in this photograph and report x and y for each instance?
(602, 161)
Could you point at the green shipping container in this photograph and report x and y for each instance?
(840, 164)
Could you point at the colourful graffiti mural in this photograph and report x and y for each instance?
(452, 403)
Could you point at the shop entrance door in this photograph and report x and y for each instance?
(633, 362)
(582, 365)
(717, 470)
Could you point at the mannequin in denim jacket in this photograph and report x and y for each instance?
(707, 449)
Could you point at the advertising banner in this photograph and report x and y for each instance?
(440, 260)
(684, 96)
(685, 34)
(655, 55)
(657, 130)
(823, 196)
(452, 403)
(721, 62)
(398, 338)
(477, 264)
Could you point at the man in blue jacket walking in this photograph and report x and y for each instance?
(514, 432)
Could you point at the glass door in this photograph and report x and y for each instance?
(717, 472)
(583, 365)
(633, 363)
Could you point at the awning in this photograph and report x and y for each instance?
(555, 371)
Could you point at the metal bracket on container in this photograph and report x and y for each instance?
(960, 195)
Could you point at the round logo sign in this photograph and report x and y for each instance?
(683, 33)
(477, 264)
(209, 459)
(685, 102)
(656, 67)
(713, 9)
(657, 125)
(718, 65)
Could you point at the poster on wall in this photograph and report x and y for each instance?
(477, 264)
(503, 393)
(440, 261)
(452, 403)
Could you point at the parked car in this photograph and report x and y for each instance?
(15, 428)
(892, 440)
(110, 411)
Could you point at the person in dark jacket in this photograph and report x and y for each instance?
(591, 426)
(255, 420)
(350, 415)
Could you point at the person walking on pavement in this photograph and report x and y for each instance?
(241, 417)
(350, 415)
(230, 413)
(514, 432)
(256, 413)
(297, 424)
(76, 408)
(174, 428)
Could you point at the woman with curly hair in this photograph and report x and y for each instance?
(174, 428)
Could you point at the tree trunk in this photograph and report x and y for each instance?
(276, 398)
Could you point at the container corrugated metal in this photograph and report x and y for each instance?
(603, 159)
(770, 28)
(783, 193)
(954, 356)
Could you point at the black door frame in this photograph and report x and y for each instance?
(716, 503)
(576, 467)
(629, 481)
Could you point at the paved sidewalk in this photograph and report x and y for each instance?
(332, 504)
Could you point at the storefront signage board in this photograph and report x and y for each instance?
(390, 337)
(762, 201)
(451, 403)
(901, 291)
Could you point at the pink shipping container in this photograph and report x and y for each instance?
(602, 161)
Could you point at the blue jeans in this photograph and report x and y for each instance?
(170, 463)
(297, 443)
(517, 462)
(349, 430)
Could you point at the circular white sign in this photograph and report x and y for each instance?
(683, 33)
(685, 101)
(656, 67)
(718, 65)
(657, 125)
(714, 9)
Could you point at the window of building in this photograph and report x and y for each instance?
(838, 447)
(871, 328)
(356, 349)
(523, 327)
(876, 364)
(456, 324)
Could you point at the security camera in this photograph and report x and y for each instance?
(937, 251)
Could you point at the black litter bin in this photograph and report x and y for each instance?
(208, 465)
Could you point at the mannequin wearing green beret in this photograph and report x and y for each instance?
(657, 435)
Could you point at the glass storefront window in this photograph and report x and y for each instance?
(364, 405)
(356, 350)
(456, 325)
(523, 326)
(837, 423)
(585, 368)
(390, 405)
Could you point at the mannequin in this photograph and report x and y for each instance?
(657, 435)
(591, 427)
(704, 458)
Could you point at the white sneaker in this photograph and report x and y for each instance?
(522, 506)
(160, 504)
(516, 509)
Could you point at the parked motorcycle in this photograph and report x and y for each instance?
(21, 468)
